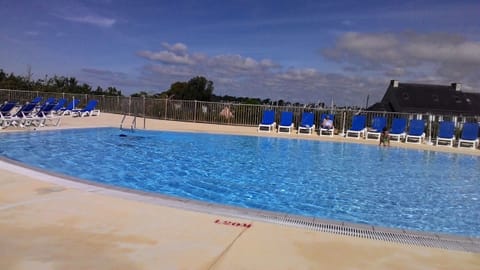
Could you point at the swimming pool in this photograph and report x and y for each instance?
(391, 187)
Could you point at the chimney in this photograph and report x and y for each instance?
(457, 86)
(394, 83)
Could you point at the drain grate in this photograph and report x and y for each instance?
(376, 233)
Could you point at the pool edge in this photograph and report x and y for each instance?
(401, 236)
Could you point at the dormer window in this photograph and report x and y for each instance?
(405, 96)
(435, 98)
(457, 99)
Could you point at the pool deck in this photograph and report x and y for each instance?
(46, 223)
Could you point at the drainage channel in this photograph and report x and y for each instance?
(382, 234)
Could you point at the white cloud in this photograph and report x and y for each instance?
(176, 54)
(93, 20)
(172, 71)
(245, 76)
(412, 56)
(298, 74)
(237, 63)
(167, 57)
(177, 48)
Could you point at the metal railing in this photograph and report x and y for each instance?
(231, 113)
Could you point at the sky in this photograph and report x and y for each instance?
(306, 51)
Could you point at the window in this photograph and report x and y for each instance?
(405, 96)
(435, 98)
(457, 99)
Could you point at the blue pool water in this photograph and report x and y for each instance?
(392, 187)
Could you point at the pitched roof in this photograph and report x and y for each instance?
(426, 98)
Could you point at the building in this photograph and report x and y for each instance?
(427, 98)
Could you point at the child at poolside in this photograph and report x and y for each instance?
(384, 138)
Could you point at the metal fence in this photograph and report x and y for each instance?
(230, 113)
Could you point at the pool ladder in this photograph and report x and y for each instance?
(132, 126)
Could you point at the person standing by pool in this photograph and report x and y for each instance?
(384, 137)
(226, 112)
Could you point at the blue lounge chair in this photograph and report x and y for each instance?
(7, 107)
(49, 100)
(69, 108)
(286, 122)
(378, 124)
(26, 110)
(48, 114)
(89, 109)
(358, 127)
(5, 112)
(59, 105)
(36, 100)
(446, 133)
(17, 118)
(307, 124)
(40, 117)
(268, 121)
(326, 130)
(397, 132)
(469, 136)
(416, 131)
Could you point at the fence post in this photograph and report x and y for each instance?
(129, 105)
(118, 105)
(430, 120)
(144, 119)
(166, 105)
(195, 112)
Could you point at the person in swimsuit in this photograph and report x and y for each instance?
(384, 138)
(327, 123)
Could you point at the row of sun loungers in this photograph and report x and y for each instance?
(398, 131)
(36, 114)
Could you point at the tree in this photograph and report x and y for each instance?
(198, 88)
(140, 94)
(178, 91)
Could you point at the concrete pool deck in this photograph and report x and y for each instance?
(48, 224)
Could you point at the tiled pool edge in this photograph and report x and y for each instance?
(449, 242)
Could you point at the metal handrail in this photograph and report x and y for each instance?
(134, 123)
(123, 119)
